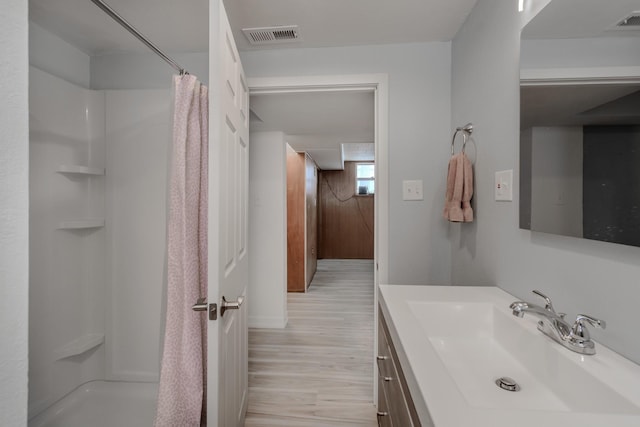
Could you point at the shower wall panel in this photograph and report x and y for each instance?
(138, 137)
(97, 239)
(67, 241)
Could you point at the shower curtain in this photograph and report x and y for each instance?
(182, 392)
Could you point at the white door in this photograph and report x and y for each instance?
(228, 220)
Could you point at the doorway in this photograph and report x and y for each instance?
(377, 85)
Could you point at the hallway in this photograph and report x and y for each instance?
(317, 372)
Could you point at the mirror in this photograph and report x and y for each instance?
(580, 121)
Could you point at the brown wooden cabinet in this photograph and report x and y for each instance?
(395, 406)
(302, 220)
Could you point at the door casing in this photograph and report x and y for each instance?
(378, 84)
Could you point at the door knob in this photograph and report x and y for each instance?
(201, 305)
(230, 305)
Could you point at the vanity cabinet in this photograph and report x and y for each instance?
(395, 406)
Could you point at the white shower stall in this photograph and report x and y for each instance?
(98, 179)
(99, 167)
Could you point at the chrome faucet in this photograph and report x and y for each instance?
(574, 337)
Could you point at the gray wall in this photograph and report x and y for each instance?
(267, 230)
(14, 213)
(50, 53)
(581, 275)
(419, 137)
(144, 70)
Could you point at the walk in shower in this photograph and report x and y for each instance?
(100, 132)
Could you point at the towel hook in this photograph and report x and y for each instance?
(466, 131)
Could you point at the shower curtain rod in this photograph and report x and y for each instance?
(120, 20)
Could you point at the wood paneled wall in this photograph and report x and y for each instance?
(345, 220)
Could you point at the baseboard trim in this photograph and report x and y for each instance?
(263, 322)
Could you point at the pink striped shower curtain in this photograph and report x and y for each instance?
(182, 393)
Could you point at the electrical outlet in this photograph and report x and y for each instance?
(412, 190)
(504, 186)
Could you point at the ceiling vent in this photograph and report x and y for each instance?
(272, 35)
(631, 22)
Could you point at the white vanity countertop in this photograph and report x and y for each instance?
(434, 378)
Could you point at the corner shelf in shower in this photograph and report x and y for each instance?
(79, 346)
(80, 170)
(78, 224)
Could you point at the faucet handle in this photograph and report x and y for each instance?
(579, 329)
(547, 300)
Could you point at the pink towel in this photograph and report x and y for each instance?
(457, 206)
(453, 200)
(467, 189)
(182, 391)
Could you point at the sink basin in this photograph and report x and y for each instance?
(454, 342)
(478, 343)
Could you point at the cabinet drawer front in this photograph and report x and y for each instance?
(384, 418)
(385, 364)
(397, 401)
(392, 383)
(383, 359)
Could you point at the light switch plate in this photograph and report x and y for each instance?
(503, 185)
(412, 190)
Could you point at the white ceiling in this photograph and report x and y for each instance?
(182, 26)
(328, 23)
(564, 19)
(343, 113)
(332, 127)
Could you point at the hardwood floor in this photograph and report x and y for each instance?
(318, 371)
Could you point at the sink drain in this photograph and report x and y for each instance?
(508, 384)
